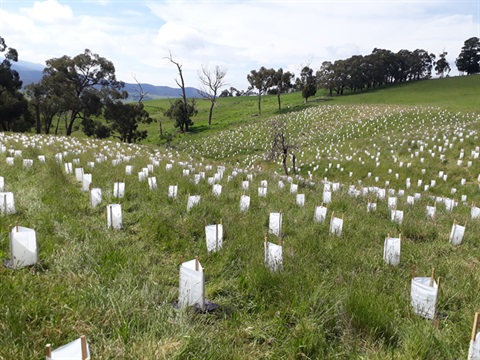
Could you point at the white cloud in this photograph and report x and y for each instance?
(48, 11)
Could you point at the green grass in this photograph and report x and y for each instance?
(336, 298)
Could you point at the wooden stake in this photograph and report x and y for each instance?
(475, 326)
(432, 277)
(196, 263)
(216, 237)
(48, 350)
(111, 216)
(84, 347)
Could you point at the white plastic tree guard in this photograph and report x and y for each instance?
(23, 247)
(381, 193)
(197, 178)
(214, 236)
(76, 350)
(168, 167)
(392, 202)
(371, 206)
(449, 204)
(95, 197)
(68, 168)
(217, 189)
(114, 216)
(397, 216)
(264, 183)
(7, 203)
(301, 199)
(293, 188)
(391, 250)
(172, 191)
(128, 169)
(244, 202)
(410, 200)
(320, 214)
(273, 256)
(431, 211)
(192, 201)
(475, 212)
(186, 172)
(142, 175)
(424, 291)
(262, 192)
(118, 189)
(281, 185)
(327, 197)
(10, 161)
(41, 158)
(27, 163)
(275, 224)
(79, 174)
(2, 184)
(474, 349)
(86, 182)
(336, 225)
(192, 285)
(457, 233)
(245, 185)
(152, 183)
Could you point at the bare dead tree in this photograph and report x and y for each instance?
(185, 121)
(212, 81)
(139, 90)
(281, 144)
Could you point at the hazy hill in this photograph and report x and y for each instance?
(32, 73)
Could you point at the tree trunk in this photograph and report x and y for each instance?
(293, 165)
(58, 124)
(259, 101)
(284, 162)
(279, 103)
(211, 112)
(69, 127)
(37, 116)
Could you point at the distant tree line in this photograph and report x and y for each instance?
(82, 92)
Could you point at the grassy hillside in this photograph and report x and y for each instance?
(454, 94)
(336, 298)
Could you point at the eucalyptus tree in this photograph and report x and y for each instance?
(14, 113)
(45, 105)
(84, 82)
(283, 83)
(308, 82)
(442, 66)
(469, 58)
(125, 119)
(212, 81)
(261, 80)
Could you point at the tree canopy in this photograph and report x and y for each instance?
(85, 82)
(468, 60)
(261, 80)
(14, 112)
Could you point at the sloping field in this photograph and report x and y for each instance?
(336, 297)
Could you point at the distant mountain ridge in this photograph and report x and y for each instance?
(32, 73)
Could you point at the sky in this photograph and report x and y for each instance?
(239, 35)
